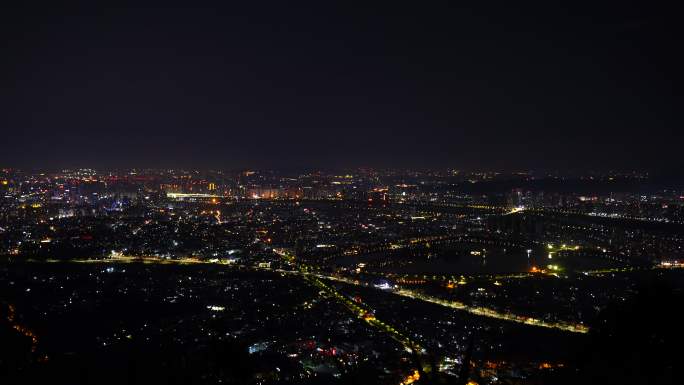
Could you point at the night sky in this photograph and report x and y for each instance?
(282, 84)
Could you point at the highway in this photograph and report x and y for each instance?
(476, 310)
(403, 292)
(304, 270)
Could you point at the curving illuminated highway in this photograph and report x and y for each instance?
(477, 310)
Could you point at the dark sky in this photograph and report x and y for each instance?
(282, 84)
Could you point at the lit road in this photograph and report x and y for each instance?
(307, 271)
(476, 310)
(361, 310)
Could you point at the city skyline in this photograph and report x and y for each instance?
(394, 276)
(341, 193)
